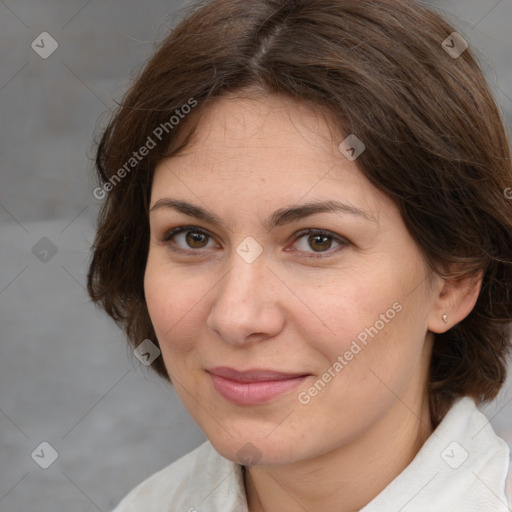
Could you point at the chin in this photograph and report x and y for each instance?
(248, 450)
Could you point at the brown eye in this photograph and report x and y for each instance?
(187, 239)
(319, 242)
(196, 240)
(316, 242)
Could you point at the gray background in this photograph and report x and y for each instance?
(66, 374)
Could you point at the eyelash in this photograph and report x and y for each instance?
(169, 235)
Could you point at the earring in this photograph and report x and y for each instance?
(445, 318)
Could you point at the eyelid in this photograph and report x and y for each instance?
(167, 237)
(318, 231)
(171, 233)
(180, 229)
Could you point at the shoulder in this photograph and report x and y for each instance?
(174, 484)
(464, 464)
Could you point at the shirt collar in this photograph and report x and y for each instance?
(461, 467)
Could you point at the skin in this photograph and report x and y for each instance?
(288, 312)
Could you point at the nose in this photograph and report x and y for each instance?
(246, 306)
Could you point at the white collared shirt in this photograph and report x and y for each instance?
(462, 467)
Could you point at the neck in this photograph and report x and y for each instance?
(347, 478)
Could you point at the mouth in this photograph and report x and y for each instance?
(253, 386)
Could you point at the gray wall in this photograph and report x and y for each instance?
(66, 375)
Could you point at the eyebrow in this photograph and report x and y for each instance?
(278, 218)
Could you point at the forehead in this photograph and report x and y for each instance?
(236, 131)
(272, 148)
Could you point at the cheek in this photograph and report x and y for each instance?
(173, 299)
(380, 358)
(369, 321)
(348, 310)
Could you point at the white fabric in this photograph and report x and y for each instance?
(462, 467)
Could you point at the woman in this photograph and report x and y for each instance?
(305, 213)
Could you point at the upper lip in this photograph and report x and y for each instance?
(254, 375)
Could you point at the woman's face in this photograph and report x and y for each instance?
(283, 343)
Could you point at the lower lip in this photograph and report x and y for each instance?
(248, 393)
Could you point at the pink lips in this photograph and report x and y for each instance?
(252, 386)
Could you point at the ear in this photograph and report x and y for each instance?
(455, 299)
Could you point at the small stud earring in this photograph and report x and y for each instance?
(445, 318)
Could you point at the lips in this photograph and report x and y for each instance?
(253, 386)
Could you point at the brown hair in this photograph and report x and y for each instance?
(435, 143)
